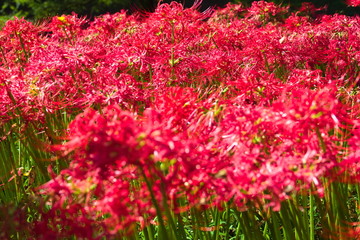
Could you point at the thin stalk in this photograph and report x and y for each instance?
(300, 222)
(148, 234)
(26, 53)
(196, 234)
(217, 224)
(35, 149)
(162, 229)
(180, 219)
(358, 195)
(170, 217)
(172, 64)
(275, 228)
(68, 37)
(150, 73)
(227, 226)
(4, 57)
(244, 227)
(311, 216)
(9, 170)
(172, 32)
(250, 221)
(339, 195)
(238, 229)
(265, 230)
(202, 219)
(151, 232)
(286, 222)
(267, 66)
(321, 140)
(326, 217)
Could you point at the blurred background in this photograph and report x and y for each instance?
(40, 9)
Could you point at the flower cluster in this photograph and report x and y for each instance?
(180, 109)
(353, 3)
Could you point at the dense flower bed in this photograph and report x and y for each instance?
(179, 109)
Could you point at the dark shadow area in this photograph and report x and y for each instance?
(40, 9)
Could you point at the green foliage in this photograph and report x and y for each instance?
(42, 9)
(333, 6)
(39, 9)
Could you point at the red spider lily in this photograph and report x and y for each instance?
(262, 12)
(233, 105)
(109, 160)
(17, 39)
(350, 165)
(284, 138)
(353, 3)
(115, 149)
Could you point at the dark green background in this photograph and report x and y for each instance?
(38, 9)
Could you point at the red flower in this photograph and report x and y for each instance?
(353, 3)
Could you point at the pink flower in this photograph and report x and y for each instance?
(353, 3)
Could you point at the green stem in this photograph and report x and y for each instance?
(3, 55)
(265, 229)
(286, 222)
(217, 224)
(162, 230)
(170, 216)
(26, 53)
(311, 220)
(321, 140)
(227, 217)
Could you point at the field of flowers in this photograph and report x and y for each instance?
(234, 123)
